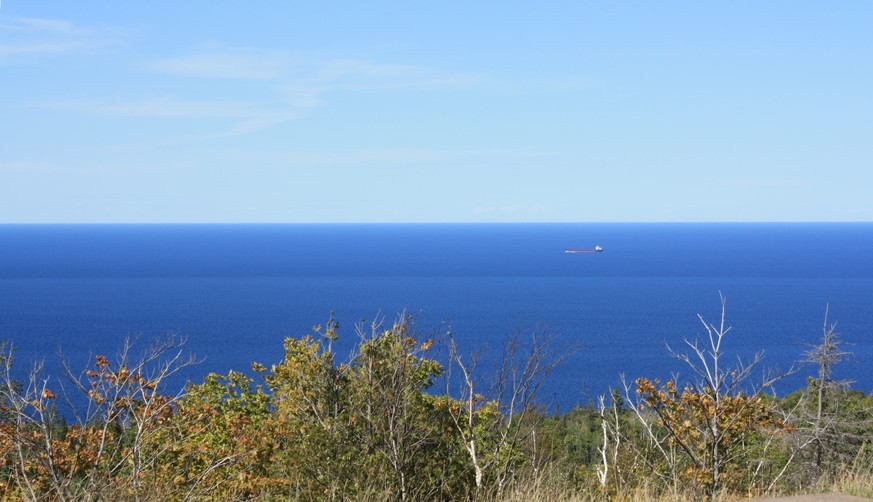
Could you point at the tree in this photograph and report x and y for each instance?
(823, 424)
(389, 377)
(833, 422)
(119, 436)
(493, 430)
(362, 428)
(717, 429)
(221, 436)
(314, 455)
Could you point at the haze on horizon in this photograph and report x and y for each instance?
(198, 111)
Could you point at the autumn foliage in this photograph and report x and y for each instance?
(397, 420)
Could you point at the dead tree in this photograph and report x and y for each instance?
(702, 429)
(831, 431)
(493, 421)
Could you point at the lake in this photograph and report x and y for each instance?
(235, 291)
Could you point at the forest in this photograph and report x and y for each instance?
(403, 417)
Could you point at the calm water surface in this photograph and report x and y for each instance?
(235, 291)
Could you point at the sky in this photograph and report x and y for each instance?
(453, 111)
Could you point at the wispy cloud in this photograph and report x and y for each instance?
(168, 107)
(29, 36)
(353, 73)
(284, 85)
(25, 48)
(40, 25)
(240, 128)
(229, 64)
(306, 82)
(299, 84)
(302, 96)
(302, 83)
(245, 118)
(298, 74)
(310, 85)
(306, 79)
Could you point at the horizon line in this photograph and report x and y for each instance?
(253, 223)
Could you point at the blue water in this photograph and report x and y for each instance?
(235, 291)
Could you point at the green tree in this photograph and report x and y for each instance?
(389, 379)
(219, 439)
(717, 431)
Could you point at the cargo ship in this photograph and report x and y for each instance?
(597, 249)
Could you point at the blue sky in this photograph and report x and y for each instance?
(273, 111)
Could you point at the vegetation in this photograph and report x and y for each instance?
(405, 418)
